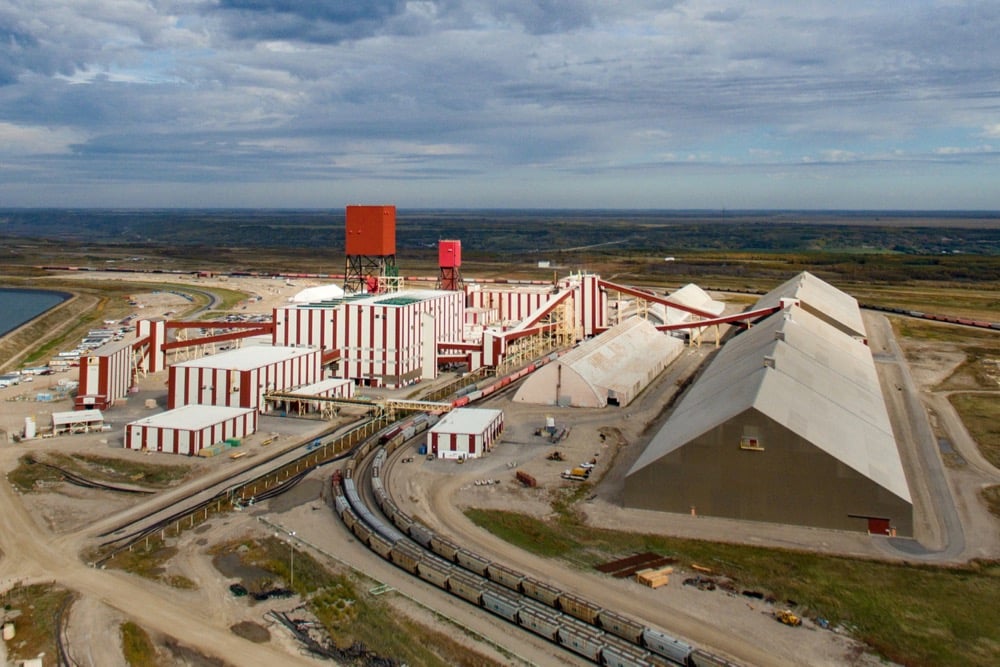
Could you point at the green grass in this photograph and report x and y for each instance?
(915, 615)
(137, 647)
(106, 469)
(981, 415)
(148, 559)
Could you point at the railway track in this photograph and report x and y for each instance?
(581, 626)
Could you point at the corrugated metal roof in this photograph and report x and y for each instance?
(320, 387)
(192, 417)
(807, 376)
(248, 358)
(819, 296)
(467, 420)
(619, 358)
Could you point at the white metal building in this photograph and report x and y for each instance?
(190, 428)
(612, 367)
(465, 433)
(241, 377)
(78, 421)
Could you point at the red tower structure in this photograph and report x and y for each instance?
(370, 248)
(450, 265)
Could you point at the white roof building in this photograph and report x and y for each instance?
(77, 421)
(823, 300)
(612, 367)
(787, 424)
(465, 433)
(190, 428)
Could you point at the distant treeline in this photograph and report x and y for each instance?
(541, 233)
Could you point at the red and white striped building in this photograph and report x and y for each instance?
(512, 303)
(241, 377)
(190, 428)
(105, 376)
(590, 303)
(465, 433)
(383, 340)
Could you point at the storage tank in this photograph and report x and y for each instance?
(371, 230)
(449, 254)
(29, 428)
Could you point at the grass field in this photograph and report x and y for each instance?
(914, 615)
(111, 470)
(137, 647)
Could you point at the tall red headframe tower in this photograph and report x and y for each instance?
(450, 265)
(370, 248)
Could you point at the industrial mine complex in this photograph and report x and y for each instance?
(401, 425)
(786, 424)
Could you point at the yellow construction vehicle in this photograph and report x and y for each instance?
(788, 618)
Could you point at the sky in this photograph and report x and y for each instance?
(500, 104)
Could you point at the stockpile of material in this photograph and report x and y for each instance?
(654, 577)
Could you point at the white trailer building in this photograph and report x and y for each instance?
(190, 428)
(78, 421)
(465, 433)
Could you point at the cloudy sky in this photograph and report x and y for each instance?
(502, 103)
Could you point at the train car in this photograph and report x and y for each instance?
(700, 658)
(380, 545)
(540, 620)
(619, 653)
(340, 505)
(505, 576)
(348, 516)
(444, 547)
(362, 532)
(421, 534)
(434, 571)
(472, 562)
(465, 586)
(581, 639)
(621, 626)
(501, 603)
(663, 644)
(540, 591)
(388, 435)
(580, 608)
(402, 521)
(405, 556)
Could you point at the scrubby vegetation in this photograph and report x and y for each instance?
(911, 614)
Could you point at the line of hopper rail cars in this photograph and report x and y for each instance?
(601, 635)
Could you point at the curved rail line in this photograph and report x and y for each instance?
(601, 635)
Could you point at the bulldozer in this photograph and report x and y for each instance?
(788, 618)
